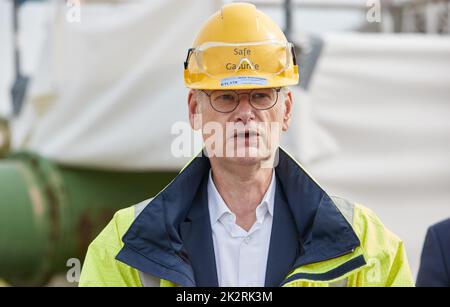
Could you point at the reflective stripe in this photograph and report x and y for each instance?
(345, 207)
(347, 210)
(138, 208)
(335, 273)
(339, 283)
(146, 279)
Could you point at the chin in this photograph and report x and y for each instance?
(252, 156)
(245, 161)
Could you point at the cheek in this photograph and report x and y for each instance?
(273, 123)
(209, 119)
(275, 116)
(212, 125)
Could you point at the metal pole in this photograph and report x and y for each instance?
(431, 17)
(15, 38)
(288, 18)
(19, 86)
(448, 17)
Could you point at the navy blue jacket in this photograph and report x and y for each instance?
(435, 263)
(178, 246)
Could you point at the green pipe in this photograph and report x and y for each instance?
(5, 137)
(50, 212)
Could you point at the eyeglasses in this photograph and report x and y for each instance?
(227, 101)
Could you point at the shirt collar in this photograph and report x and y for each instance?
(218, 207)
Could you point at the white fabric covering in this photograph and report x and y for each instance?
(374, 127)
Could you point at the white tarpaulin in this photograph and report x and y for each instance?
(374, 127)
(109, 88)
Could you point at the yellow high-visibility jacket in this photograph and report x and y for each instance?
(316, 240)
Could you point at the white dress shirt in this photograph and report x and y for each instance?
(241, 256)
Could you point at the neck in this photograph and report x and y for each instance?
(242, 188)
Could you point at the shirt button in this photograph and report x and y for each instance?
(247, 240)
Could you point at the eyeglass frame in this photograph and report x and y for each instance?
(277, 90)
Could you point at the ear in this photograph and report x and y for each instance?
(287, 110)
(194, 110)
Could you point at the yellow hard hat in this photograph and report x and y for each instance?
(240, 47)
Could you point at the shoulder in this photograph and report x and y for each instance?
(375, 237)
(441, 230)
(100, 267)
(438, 236)
(119, 224)
(434, 268)
(384, 252)
(358, 215)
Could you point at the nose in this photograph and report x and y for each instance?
(244, 111)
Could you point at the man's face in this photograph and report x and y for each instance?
(246, 135)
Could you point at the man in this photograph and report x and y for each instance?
(435, 263)
(244, 213)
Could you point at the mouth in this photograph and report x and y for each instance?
(246, 134)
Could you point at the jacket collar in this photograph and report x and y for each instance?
(171, 238)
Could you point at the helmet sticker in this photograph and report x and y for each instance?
(238, 80)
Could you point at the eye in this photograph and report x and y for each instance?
(260, 96)
(226, 97)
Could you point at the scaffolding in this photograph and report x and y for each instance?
(397, 16)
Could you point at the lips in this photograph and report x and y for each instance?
(246, 134)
